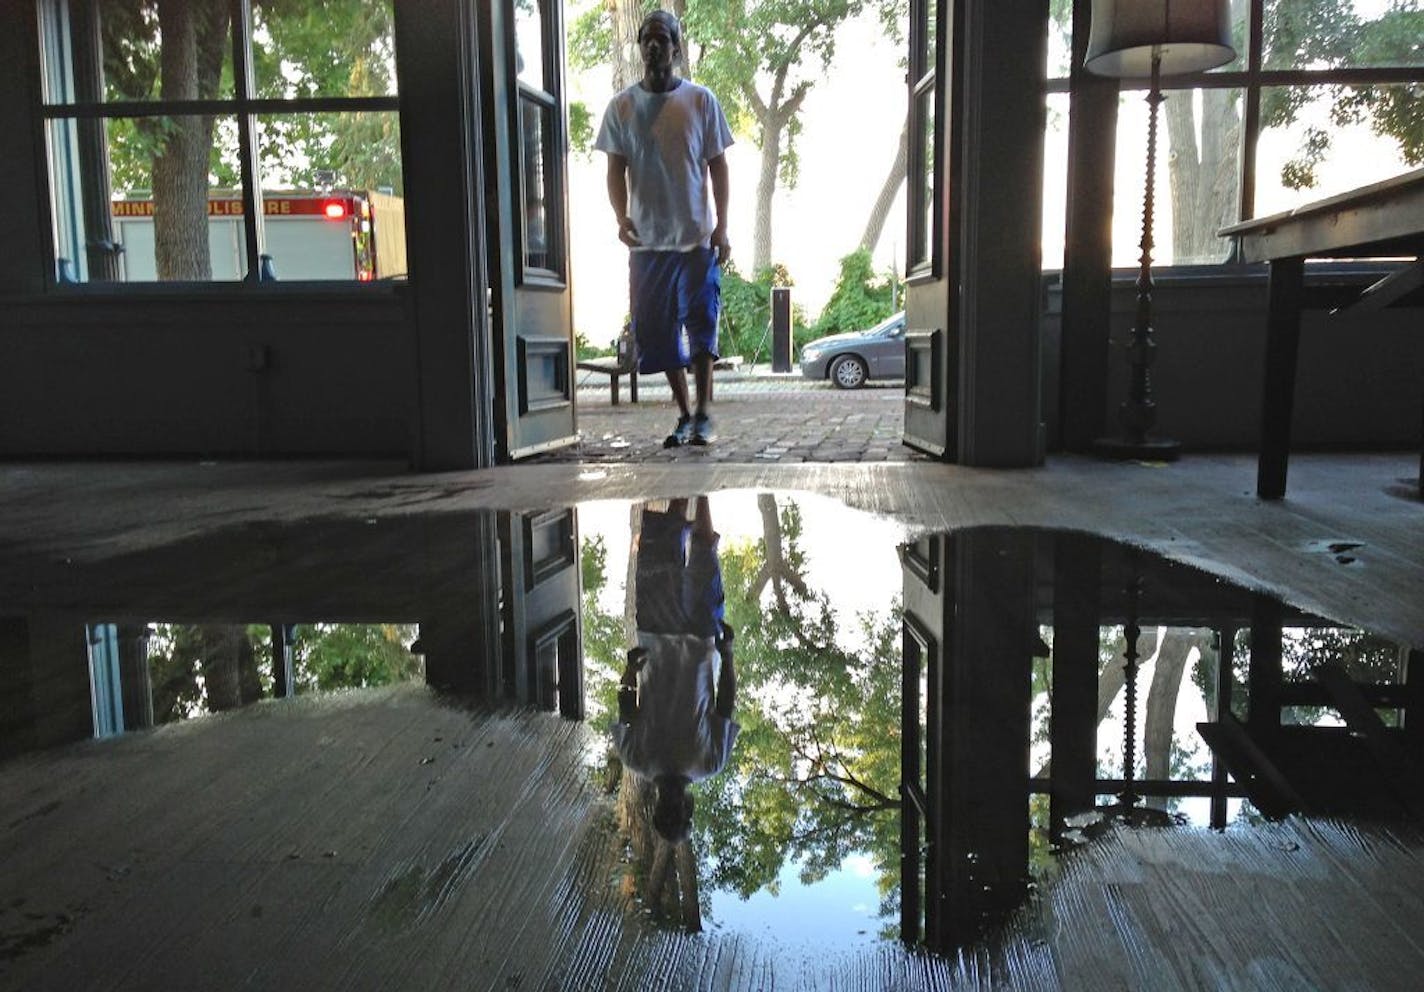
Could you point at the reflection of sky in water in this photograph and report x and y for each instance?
(850, 554)
(841, 910)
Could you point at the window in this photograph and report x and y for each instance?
(538, 124)
(924, 192)
(222, 140)
(1324, 96)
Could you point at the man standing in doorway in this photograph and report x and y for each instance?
(666, 138)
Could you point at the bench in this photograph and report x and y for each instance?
(611, 368)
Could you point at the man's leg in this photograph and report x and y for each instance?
(699, 303)
(702, 376)
(677, 379)
(657, 323)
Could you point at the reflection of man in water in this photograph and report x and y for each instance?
(675, 703)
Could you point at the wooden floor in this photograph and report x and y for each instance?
(385, 840)
(389, 839)
(1201, 510)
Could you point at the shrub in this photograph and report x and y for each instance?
(860, 299)
(746, 311)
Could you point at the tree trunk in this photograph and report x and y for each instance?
(1185, 172)
(229, 667)
(1162, 694)
(1203, 174)
(889, 189)
(626, 16)
(766, 187)
(774, 569)
(195, 33)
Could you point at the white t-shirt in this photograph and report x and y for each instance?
(668, 139)
(678, 730)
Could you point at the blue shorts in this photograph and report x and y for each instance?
(679, 580)
(670, 291)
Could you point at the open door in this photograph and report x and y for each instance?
(973, 342)
(522, 89)
(930, 362)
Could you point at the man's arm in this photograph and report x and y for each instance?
(628, 685)
(618, 199)
(727, 680)
(721, 191)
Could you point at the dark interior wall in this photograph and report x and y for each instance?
(1360, 382)
(230, 376)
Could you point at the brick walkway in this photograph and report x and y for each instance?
(758, 417)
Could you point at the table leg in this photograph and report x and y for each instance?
(1278, 390)
(633, 385)
(613, 387)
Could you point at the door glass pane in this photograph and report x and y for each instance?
(1060, 40)
(333, 195)
(922, 220)
(535, 120)
(1055, 180)
(1313, 34)
(1317, 141)
(529, 42)
(323, 48)
(119, 55)
(164, 209)
(930, 35)
(1197, 184)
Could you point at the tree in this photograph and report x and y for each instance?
(187, 64)
(860, 299)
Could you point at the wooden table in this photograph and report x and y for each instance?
(1382, 220)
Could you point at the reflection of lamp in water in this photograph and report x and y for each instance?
(1128, 798)
(1146, 39)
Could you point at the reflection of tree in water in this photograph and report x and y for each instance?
(815, 773)
(207, 668)
(1166, 653)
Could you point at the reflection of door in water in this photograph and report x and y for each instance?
(542, 661)
(522, 75)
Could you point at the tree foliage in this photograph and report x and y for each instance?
(201, 668)
(861, 298)
(746, 310)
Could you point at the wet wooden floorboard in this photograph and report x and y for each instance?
(387, 840)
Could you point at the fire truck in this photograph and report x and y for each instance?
(345, 234)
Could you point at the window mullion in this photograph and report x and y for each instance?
(1251, 107)
(249, 166)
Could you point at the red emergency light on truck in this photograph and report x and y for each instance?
(344, 234)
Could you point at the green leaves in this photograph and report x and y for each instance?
(860, 300)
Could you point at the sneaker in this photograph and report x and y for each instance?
(702, 432)
(681, 434)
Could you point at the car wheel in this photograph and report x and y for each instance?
(849, 372)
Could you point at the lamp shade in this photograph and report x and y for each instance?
(1188, 35)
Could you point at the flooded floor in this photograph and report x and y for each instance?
(751, 739)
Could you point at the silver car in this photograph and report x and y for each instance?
(849, 360)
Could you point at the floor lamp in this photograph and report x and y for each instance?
(1149, 39)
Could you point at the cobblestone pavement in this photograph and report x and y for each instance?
(758, 418)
